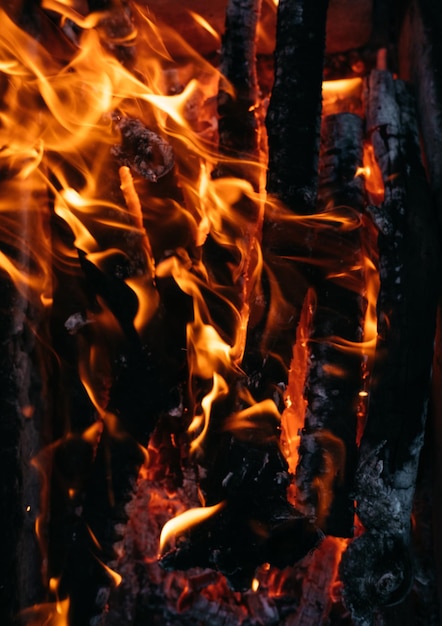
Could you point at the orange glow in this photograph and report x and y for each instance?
(49, 614)
(65, 160)
(340, 95)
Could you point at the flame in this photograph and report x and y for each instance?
(200, 422)
(374, 183)
(61, 127)
(205, 24)
(186, 521)
(259, 420)
(48, 613)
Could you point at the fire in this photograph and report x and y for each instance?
(133, 219)
(186, 521)
(374, 183)
(343, 94)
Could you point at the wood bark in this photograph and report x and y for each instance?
(251, 478)
(328, 449)
(293, 117)
(408, 265)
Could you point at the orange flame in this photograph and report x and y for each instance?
(342, 94)
(374, 183)
(186, 521)
(48, 613)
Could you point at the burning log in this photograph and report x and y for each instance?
(121, 362)
(328, 450)
(393, 435)
(24, 285)
(293, 117)
(316, 595)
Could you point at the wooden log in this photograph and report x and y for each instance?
(316, 595)
(24, 402)
(292, 124)
(409, 266)
(238, 124)
(293, 117)
(419, 60)
(328, 449)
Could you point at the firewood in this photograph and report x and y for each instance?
(23, 372)
(419, 59)
(257, 524)
(408, 265)
(238, 125)
(328, 450)
(293, 117)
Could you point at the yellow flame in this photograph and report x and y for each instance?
(186, 521)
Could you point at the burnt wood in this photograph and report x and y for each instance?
(23, 401)
(409, 266)
(293, 117)
(328, 449)
(238, 124)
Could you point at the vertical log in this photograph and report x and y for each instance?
(293, 118)
(238, 124)
(22, 379)
(328, 448)
(409, 268)
(420, 61)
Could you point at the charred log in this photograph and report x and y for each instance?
(408, 265)
(293, 118)
(238, 125)
(328, 449)
(23, 372)
(419, 59)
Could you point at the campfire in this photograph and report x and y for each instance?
(220, 276)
